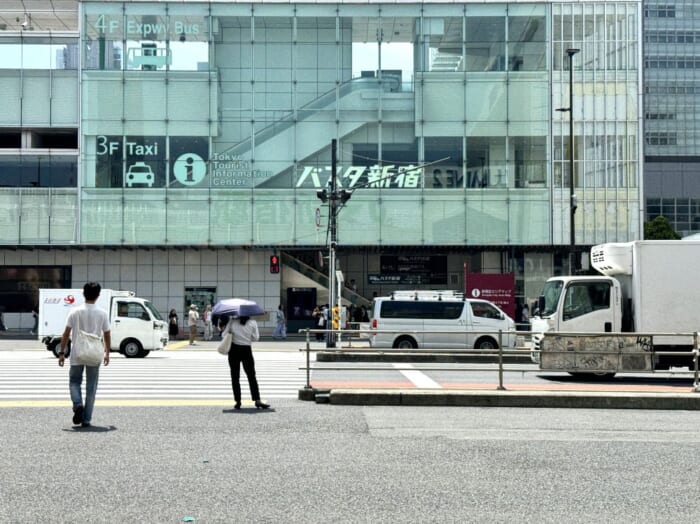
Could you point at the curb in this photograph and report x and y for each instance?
(350, 356)
(539, 399)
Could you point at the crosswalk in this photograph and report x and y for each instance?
(167, 376)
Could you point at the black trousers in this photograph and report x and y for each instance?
(242, 355)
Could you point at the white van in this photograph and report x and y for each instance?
(464, 323)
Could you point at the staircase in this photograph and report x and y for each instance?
(322, 279)
(310, 127)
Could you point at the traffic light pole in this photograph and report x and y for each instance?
(333, 226)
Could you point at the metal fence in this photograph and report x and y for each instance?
(568, 352)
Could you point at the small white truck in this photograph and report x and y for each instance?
(136, 326)
(644, 287)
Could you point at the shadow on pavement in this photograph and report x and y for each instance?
(90, 429)
(621, 380)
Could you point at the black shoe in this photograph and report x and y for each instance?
(261, 405)
(78, 415)
(237, 405)
(85, 425)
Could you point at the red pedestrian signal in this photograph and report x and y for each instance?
(274, 264)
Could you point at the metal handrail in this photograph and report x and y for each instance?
(694, 353)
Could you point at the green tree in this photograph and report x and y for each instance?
(660, 229)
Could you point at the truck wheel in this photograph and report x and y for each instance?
(405, 343)
(485, 343)
(131, 348)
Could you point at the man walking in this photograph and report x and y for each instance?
(280, 331)
(91, 319)
(192, 319)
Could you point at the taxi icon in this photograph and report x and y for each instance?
(139, 173)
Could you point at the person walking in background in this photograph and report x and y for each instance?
(192, 319)
(208, 328)
(244, 331)
(173, 324)
(318, 322)
(35, 329)
(280, 331)
(91, 319)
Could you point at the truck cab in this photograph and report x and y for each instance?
(577, 305)
(137, 327)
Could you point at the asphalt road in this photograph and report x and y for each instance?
(308, 462)
(305, 462)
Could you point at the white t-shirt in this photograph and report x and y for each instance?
(243, 335)
(91, 319)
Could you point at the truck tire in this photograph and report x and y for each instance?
(131, 348)
(405, 342)
(485, 343)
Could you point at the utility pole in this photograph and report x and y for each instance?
(335, 199)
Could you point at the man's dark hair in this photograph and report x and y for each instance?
(91, 290)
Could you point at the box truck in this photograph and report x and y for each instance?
(135, 324)
(644, 287)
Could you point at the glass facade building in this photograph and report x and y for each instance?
(207, 126)
(672, 113)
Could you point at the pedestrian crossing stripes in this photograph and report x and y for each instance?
(166, 378)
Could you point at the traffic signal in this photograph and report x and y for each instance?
(274, 264)
(336, 317)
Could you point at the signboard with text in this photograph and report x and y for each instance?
(498, 288)
(415, 270)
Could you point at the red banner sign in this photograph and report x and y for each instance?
(498, 288)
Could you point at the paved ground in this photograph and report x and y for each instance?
(305, 462)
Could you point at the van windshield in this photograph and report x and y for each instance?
(150, 307)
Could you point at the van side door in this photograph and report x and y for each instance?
(449, 318)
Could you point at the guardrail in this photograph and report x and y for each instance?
(611, 347)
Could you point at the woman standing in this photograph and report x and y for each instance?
(173, 327)
(244, 332)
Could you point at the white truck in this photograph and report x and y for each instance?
(135, 324)
(645, 287)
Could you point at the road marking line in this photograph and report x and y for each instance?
(418, 378)
(177, 345)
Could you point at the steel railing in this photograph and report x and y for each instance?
(500, 353)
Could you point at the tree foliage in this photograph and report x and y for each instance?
(660, 229)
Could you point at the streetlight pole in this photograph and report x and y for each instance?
(572, 196)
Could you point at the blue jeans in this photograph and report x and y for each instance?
(76, 380)
(280, 331)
